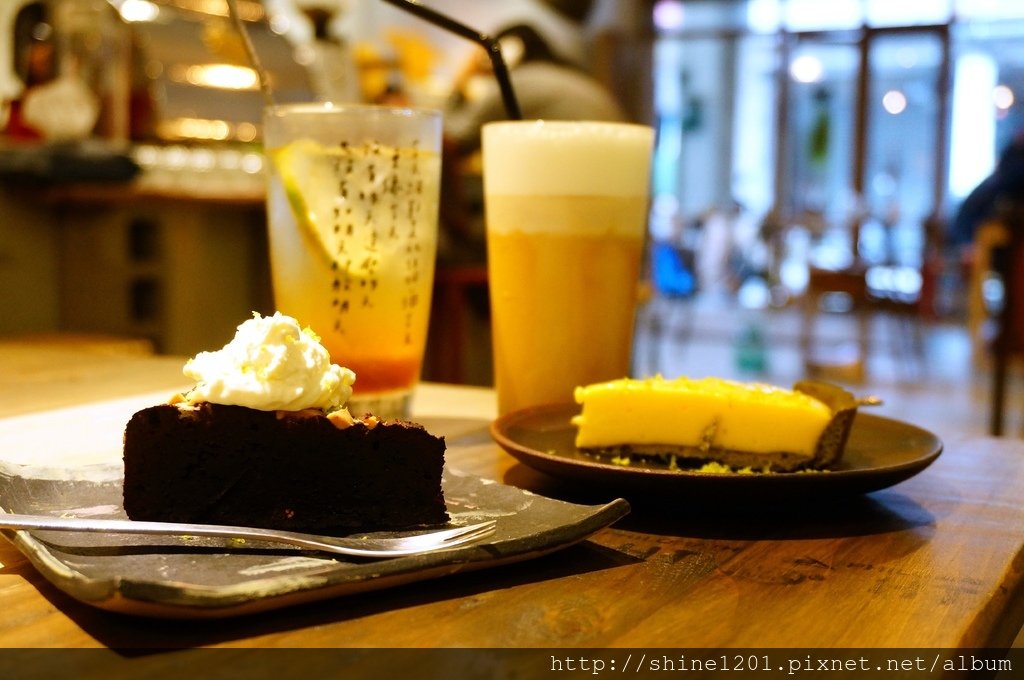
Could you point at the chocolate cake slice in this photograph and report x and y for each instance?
(298, 471)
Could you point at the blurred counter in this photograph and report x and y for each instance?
(94, 172)
(137, 191)
(176, 255)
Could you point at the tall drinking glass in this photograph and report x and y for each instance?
(566, 208)
(352, 207)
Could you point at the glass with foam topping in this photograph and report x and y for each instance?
(566, 209)
(352, 208)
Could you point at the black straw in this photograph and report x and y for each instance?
(508, 96)
(250, 51)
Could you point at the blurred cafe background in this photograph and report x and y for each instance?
(811, 161)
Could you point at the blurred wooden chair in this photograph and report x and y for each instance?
(850, 283)
(896, 295)
(999, 248)
(460, 279)
(902, 296)
(453, 285)
(989, 238)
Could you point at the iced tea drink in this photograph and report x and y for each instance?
(352, 207)
(566, 209)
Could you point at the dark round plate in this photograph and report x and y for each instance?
(879, 453)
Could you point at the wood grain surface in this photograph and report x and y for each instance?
(937, 561)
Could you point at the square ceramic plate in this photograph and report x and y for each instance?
(200, 577)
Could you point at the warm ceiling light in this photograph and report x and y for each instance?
(217, 76)
(194, 128)
(138, 11)
(248, 10)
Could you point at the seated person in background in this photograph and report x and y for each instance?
(1004, 185)
(546, 86)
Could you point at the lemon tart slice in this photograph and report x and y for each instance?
(741, 425)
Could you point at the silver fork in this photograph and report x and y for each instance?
(357, 546)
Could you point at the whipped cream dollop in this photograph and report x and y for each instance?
(272, 364)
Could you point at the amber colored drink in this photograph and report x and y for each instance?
(565, 234)
(558, 325)
(352, 205)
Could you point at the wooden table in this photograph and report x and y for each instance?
(937, 561)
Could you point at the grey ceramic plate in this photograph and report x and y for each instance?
(879, 453)
(177, 577)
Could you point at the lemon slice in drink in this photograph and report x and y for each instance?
(310, 184)
(355, 199)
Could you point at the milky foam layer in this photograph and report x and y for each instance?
(272, 364)
(568, 158)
